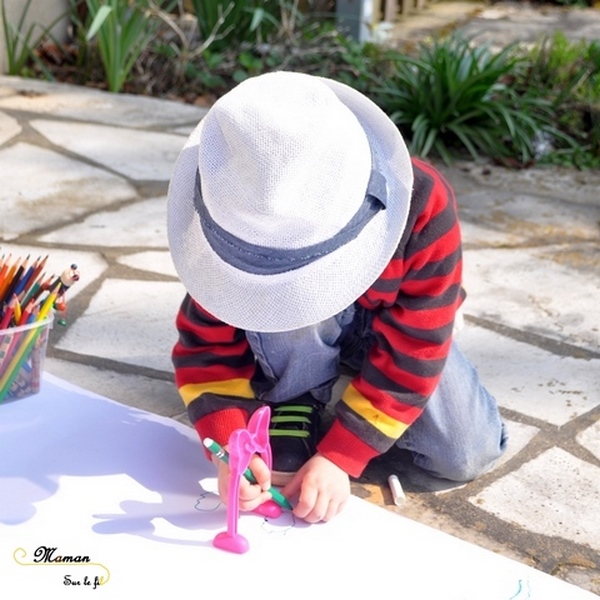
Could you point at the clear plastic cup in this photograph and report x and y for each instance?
(22, 354)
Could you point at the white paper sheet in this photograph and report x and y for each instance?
(128, 495)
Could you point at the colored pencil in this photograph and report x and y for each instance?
(8, 313)
(10, 288)
(24, 281)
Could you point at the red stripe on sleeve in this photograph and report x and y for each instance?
(346, 450)
(399, 411)
(220, 424)
(206, 374)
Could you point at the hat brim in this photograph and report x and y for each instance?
(308, 295)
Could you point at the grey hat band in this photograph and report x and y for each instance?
(262, 260)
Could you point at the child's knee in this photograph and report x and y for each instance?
(464, 464)
(466, 471)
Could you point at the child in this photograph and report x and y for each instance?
(307, 238)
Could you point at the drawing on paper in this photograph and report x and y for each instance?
(208, 501)
(523, 591)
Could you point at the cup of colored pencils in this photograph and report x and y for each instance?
(27, 300)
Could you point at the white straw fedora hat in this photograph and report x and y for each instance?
(287, 201)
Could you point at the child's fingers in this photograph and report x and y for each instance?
(248, 505)
(261, 472)
(251, 495)
(292, 488)
(248, 491)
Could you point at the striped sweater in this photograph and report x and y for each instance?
(414, 302)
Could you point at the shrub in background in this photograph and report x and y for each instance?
(229, 22)
(449, 96)
(566, 74)
(455, 95)
(123, 29)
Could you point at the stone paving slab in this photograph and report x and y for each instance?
(566, 506)
(527, 290)
(552, 183)
(155, 153)
(532, 381)
(131, 322)
(500, 24)
(590, 439)
(138, 224)
(65, 101)
(9, 128)
(63, 189)
(521, 218)
(156, 262)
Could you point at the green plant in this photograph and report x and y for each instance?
(20, 43)
(227, 22)
(359, 64)
(558, 68)
(123, 29)
(456, 95)
(575, 3)
(226, 39)
(566, 74)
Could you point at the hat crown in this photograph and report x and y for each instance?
(283, 162)
(269, 225)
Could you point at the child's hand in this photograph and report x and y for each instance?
(323, 489)
(252, 495)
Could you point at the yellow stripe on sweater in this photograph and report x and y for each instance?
(231, 387)
(382, 422)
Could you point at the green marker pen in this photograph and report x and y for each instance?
(221, 454)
